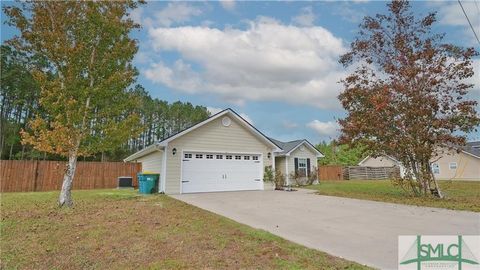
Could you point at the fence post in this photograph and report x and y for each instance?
(35, 176)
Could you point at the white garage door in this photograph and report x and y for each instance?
(208, 172)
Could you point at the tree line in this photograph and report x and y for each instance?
(19, 104)
(341, 154)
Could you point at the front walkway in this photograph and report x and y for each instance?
(358, 230)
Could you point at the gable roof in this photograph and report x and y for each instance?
(161, 144)
(472, 148)
(289, 147)
(242, 121)
(384, 156)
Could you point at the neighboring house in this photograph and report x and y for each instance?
(460, 164)
(222, 153)
(382, 161)
(297, 156)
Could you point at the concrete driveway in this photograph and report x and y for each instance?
(358, 230)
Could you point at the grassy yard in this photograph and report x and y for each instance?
(460, 195)
(117, 229)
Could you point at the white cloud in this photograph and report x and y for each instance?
(214, 110)
(136, 15)
(450, 13)
(324, 129)
(228, 4)
(268, 61)
(289, 124)
(350, 12)
(173, 13)
(179, 76)
(305, 18)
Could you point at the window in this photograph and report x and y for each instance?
(228, 157)
(246, 157)
(188, 155)
(209, 156)
(302, 166)
(255, 158)
(238, 157)
(198, 156)
(452, 165)
(219, 156)
(435, 168)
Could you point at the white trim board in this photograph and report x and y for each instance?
(319, 155)
(145, 151)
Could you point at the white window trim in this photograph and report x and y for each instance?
(306, 166)
(450, 165)
(437, 167)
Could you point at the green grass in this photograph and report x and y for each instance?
(460, 195)
(118, 229)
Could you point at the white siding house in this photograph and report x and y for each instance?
(222, 153)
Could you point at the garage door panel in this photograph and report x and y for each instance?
(210, 175)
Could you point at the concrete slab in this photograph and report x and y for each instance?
(358, 230)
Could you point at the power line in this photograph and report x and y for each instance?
(471, 26)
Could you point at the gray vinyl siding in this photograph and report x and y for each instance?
(212, 137)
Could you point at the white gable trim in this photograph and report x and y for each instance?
(470, 154)
(384, 156)
(218, 115)
(363, 160)
(145, 151)
(309, 145)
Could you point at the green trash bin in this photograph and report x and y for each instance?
(148, 183)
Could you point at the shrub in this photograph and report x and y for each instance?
(279, 180)
(268, 174)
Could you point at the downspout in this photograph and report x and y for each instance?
(286, 171)
(163, 175)
(273, 161)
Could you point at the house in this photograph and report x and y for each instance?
(296, 156)
(382, 161)
(462, 163)
(221, 153)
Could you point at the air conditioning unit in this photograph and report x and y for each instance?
(125, 182)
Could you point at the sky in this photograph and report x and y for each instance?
(273, 62)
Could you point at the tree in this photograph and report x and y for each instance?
(18, 98)
(341, 154)
(407, 97)
(87, 47)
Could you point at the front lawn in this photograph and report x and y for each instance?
(117, 229)
(460, 195)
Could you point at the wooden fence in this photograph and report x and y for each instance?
(32, 175)
(370, 173)
(330, 173)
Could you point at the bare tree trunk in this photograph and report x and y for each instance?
(436, 186)
(11, 152)
(65, 198)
